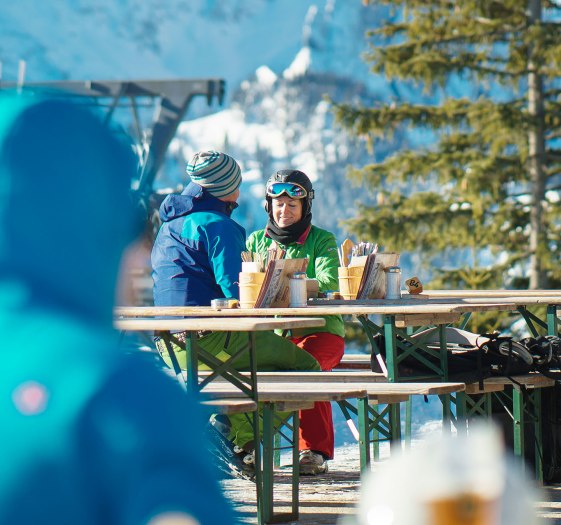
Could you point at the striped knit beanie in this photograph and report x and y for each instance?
(219, 173)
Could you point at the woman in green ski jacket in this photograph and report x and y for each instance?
(289, 205)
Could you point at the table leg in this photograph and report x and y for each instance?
(264, 505)
(266, 513)
(518, 422)
(174, 362)
(192, 352)
(552, 320)
(538, 437)
(391, 348)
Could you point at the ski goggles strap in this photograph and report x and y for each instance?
(291, 189)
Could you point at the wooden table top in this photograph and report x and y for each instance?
(246, 324)
(516, 296)
(319, 391)
(388, 307)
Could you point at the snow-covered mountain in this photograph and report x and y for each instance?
(82, 39)
(278, 57)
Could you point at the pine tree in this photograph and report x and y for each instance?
(479, 202)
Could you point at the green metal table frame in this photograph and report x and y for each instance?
(523, 406)
(246, 384)
(273, 424)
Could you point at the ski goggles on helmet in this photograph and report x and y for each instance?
(292, 190)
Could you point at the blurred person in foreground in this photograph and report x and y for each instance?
(89, 435)
(289, 195)
(196, 258)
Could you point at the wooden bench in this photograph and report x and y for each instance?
(354, 362)
(229, 405)
(496, 384)
(286, 397)
(381, 423)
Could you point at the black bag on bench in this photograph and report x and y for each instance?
(471, 357)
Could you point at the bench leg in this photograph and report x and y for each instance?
(266, 500)
(267, 514)
(395, 425)
(518, 422)
(295, 467)
(461, 420)
(446, 413)
(527, 404)
(364, 434)
(408, 416)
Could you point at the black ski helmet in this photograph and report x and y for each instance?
(297, 177)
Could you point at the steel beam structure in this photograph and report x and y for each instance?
(173, 96)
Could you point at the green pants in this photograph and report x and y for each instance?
(272, 352)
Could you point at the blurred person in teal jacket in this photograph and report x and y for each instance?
(90, 435)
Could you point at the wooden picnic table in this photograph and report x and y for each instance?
(239, 384)
(372, 307)
(396, 314)
(194, 352)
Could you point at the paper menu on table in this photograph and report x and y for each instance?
(373, 282)
(275, 290)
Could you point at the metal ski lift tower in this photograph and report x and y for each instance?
(173, 98)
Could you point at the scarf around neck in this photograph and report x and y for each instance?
(290, 234)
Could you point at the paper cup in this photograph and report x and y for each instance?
(250, 286)
(349, 281)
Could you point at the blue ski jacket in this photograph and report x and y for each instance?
(81, 442)
(197, 253)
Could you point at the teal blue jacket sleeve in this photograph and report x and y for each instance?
(225, 246)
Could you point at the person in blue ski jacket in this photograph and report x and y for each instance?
(197, 253)
(196, 257)
(91, 435)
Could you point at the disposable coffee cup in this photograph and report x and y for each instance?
(250, 286)
(349, 281)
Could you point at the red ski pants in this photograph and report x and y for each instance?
(316, 424)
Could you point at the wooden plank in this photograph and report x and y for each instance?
(276, 392)
(427, 389)
(519, 300)
(403, 321)
(229, 405)
(374, 306)
(556, 294)
(354, 362)
(289, 376)
(497, 384)
(473, 388)
(222, 324)
(528, 380)
(389, 399)
(292, 406)
(323, 391)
